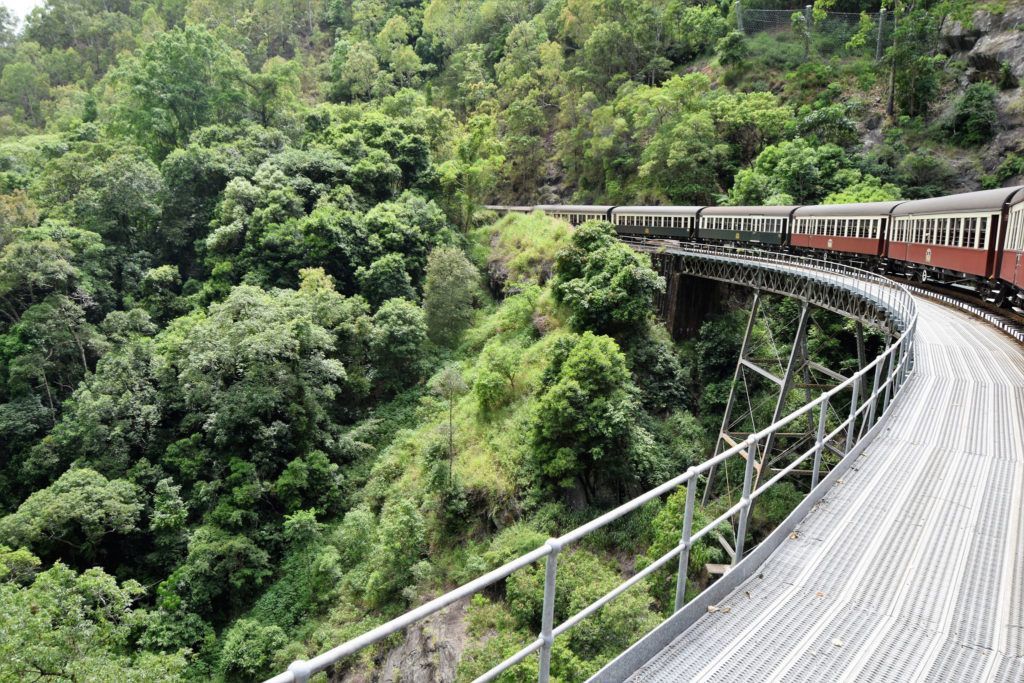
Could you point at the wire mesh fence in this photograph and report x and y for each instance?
(828, 32)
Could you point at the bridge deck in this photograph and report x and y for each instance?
(912, 566)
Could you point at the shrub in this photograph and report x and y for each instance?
(975, 119)
(249, 649)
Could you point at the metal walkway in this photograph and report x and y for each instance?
(911, 568)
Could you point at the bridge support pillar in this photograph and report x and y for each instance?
(762, 391)
(688, 302)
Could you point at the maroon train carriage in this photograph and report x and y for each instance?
(948, 238)
(846, 228)
(1011, 263)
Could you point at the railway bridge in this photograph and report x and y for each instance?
(905, 561)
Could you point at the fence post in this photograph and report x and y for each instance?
(684, 555)
(808, 18)
(881, 24)
(819, 443)
(548, 615)
(739, 15)
(748, 475)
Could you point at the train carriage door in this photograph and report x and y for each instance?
(990, 243)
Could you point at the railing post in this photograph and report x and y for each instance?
(819, 442)
(300, 669)
(874, 395)
(852, 421)
(547, 618)
(890, 378)
(684, 555)
(741, 529)
(739, 16)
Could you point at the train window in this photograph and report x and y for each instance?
(1017, 228)
(983, 232)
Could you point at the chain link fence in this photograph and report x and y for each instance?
(831, 32)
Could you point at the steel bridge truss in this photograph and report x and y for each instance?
(767, 382)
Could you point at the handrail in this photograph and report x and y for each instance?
(897, 360)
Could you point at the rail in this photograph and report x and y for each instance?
(868, 404)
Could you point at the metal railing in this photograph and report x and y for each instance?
(868, 404)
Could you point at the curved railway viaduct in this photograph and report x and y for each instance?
(911, 566)
(904, 562)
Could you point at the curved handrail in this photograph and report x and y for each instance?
(891, 296)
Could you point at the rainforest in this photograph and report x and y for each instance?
(272, 373)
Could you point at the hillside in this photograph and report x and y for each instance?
(270, 374)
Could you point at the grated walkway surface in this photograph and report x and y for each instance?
(912, 567)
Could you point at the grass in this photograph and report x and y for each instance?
(521, 248)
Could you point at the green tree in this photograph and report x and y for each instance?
(385, 278)
(791, 172)
(471, 176)
(449, 386)
(584, 429)
(497, 370)
(400, 543)
(185, 79)
(24, 86)
(250, 650)
(260, 369)
(73, 517)
(607, 287)
(67, 626)
(449, 293)
(221, 574)
(397, 343)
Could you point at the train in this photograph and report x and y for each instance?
(972, 241)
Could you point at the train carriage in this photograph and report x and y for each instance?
(1011, 265)
(847, 228)
(754, 224)
(950, 237)
(578, 214)
(502, 210)
(671, 222)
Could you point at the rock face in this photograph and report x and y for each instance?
(430, 652)
(993, 46)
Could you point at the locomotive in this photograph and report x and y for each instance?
(972, 241)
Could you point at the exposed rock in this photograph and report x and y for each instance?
(430, 652)
(993, 43)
